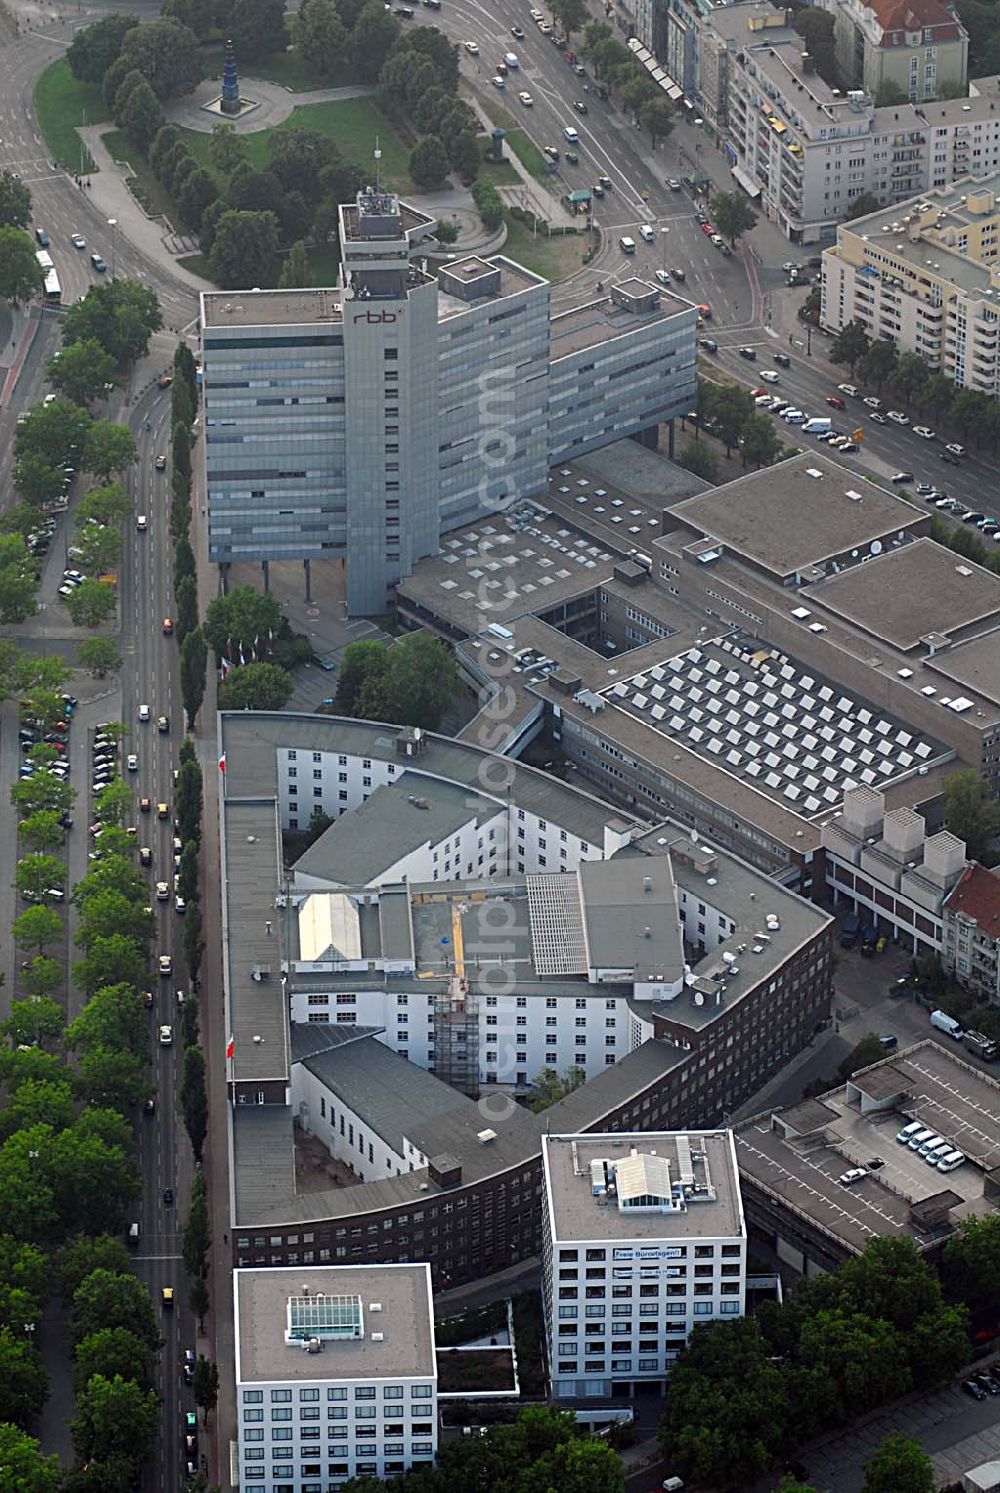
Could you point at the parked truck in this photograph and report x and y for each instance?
(946, 1023)
(984, 1047)
(849, 931)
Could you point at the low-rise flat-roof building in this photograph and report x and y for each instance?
(785, 639)
(643, 1239)
(336, 1375)
(823, 1177)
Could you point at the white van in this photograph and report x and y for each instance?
(511, 60)
(932, 1154)
(932, 1145)
(908, 1131)
(570, 134)
(627, 245)
(920, 1139)
(819, 425)
(950, 1161)
(795, 417)
(946, 1023)
(646, 232)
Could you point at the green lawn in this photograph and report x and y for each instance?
(197, 264)
(354, 124)
(555, 258)
(500, 173)
(61, 104)
(531, 158)
(153, 196)
(522, 145)
(296, 73)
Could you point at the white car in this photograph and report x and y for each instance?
(526, 99)
(663, 276)
(166, 1036)
(536, 15)
(769, 376)
(871, 400)
(499, 82)
(850, 390)
(162, 891)
(472, 47)
(847, 1179)
(180, 905)
(78, 241)
(166, 965)
(955, 449)
(924, 432)
(144, 712)
(132, 762)
(898, 417)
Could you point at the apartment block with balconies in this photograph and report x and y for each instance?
(926, 276)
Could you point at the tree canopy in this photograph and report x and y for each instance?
(411, 683)
(746, 1392)
(970, 813)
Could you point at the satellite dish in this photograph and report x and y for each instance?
(699, 998)
(876, 547)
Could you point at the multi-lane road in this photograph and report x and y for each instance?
(151, 679)
(746, 291)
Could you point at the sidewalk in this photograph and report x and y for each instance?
(112, 197)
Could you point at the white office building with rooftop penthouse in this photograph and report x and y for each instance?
(336, 1375)
(367, 419)
(643, 1238)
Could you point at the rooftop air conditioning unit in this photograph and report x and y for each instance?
(374, 1306)
(378, 1337)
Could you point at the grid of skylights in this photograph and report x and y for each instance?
(763, 717)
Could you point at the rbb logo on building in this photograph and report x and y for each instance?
(377, 318)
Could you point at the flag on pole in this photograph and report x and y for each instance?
(222, 763)
(230, 1049)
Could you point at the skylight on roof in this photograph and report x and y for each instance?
(337, 1317)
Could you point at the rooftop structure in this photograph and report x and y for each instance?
(791, 1161)
(891, 871)
(642, 1187)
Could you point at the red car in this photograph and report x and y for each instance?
(708, 229)
(835, 402)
